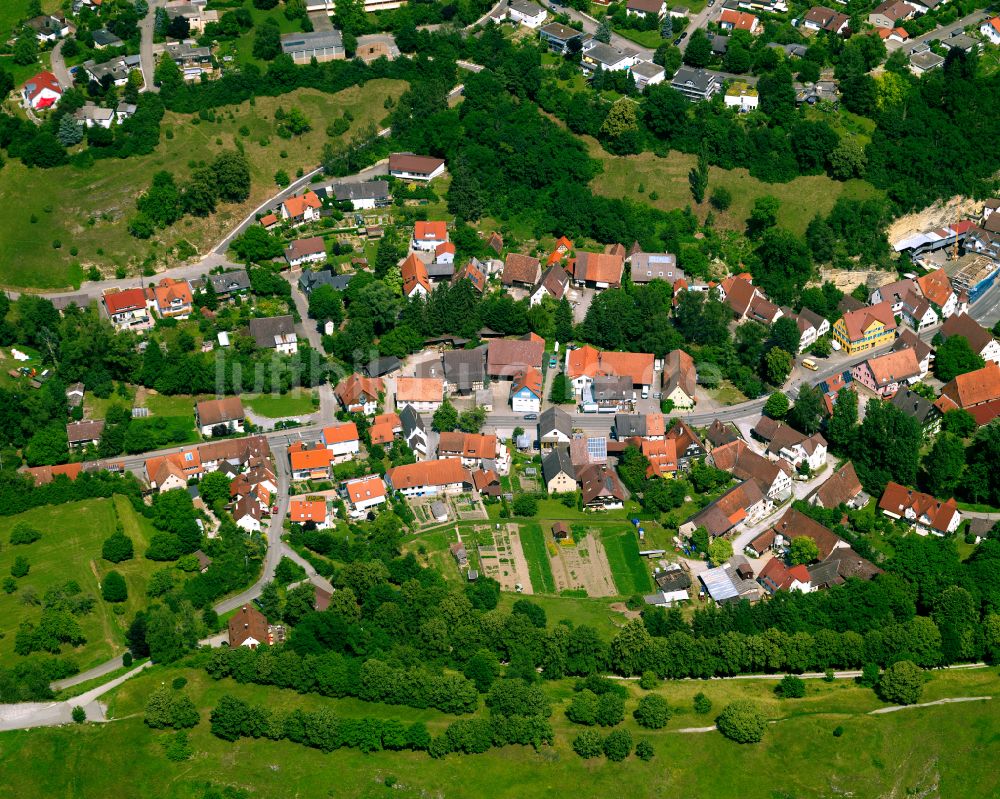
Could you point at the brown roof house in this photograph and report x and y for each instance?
(979, 338)
(737, 458)
(926, 513)
(505, 358)
(357, 394)
(598, 270)
(248, 627)
(602, 490)
(520, 270)
(679, 379)
(842, 488)
(83, 434)
(740, 505)
(978, 392)
(226, 412)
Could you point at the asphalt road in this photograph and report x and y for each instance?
(59, 68)
(147, 61)
(940, 34)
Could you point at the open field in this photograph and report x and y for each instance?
(294, 403)
(89, 208)
(70, 549)
(801, 198)
(630, 570)
(942, 752)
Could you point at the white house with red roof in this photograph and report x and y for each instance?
(342, 440)
(127, 309)
(444, 253)
(364, 494)
(428, 236)
(991, 29)
(306, 511)
(299, 209)
(41, 91)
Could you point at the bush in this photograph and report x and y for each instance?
(653, 712)
(24, 534)
(9, 585)
(838, 731)
(113, 588)
(525, 505)
(618, 745)
(583, 708)
(702, 704)
(902, 683)
(117, 547)
(742, 721)
(644, 750)
(178, 683)
(20, 567)
(79, 714)
(648, 681)
(127, 659)
(588, 744)
(721, 198)
(610, 710)
(791, 687)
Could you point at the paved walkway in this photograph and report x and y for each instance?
(949, 701)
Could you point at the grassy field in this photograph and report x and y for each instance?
(649, 39)
(539, 568)
(70, 549)
(591, 611)
(801, 199)
(943, 752)
(294, 403)
(89, 208)
(630, 570)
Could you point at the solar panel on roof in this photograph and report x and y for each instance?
(597, 449)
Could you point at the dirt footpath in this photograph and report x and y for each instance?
(585, 566)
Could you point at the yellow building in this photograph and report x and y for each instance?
(866, 329)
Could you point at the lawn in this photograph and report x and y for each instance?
(801, 199)
(174, 404)
(273, 406)
(945, 751)
(647, 39)
(70, 549)
(630, 569)
(539, 568)
(89, 208)
(591, 611)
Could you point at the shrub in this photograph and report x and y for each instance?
(648, 681)
(791, 687)
(902, 683)
(113, 588)
(179, 682)
(525, 505)
(618, 745)
(9, 585)
(702, 704)
(653, 712)
(644, 750)
(117, 547)
(127, 659)
(838, 731)
(610, 710)
(24, 534)
(721, 198)
(588, 744)
(20, 567)
(79, 714)
(742, 721)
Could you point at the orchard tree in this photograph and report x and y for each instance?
(742, 721)
(618, 745)
(902, 683)
(113, 587)
(652, 712)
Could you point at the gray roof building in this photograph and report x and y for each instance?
(558, 460)
(321, 45)
(377, 190)
(233, 282)
(267, 331)
(465, 369)
(696, 84)
(648, 266)
(324, 277)
(555, 421)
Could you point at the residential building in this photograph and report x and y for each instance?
(359, 394)
(696, 84)
(127, 309)
(385, 427)
(342, 440)
(774, 477)
(171, 298)
(558, 37)
(558, 470)
(464, 370)
(926, 513)
(784, 441)
(742, 96)
(842, 488)
(520, 270)
(444, 253)
(885, 374)
(639, 425)
(811, 326)
(721, 433)
(526, 391)
(505, 358)
(310, 462)
(426, 478)
(407, 166)
(777, 576)
(839, 566)
(598, 270)
(195, 13)
(362, 196)
(746, 300)
(364, 494)
(527, 13)
(894, 293)
(475, 450)
(475, 273)
(917, 313)
(248, 514)
(117, 70)
(414, 432)
(585, 364)
(727, 584)
(193, 62)
(821, 18)
(553, 283)
(608, 57)
(908, 340)
(924, 60)
(248, 627)
(84, 434)
(50, 27)
(226, 412)
(866, 329)
(679, 379)
(980, 339)
(555, 428)
(646, 73)
(991, 30)
(601, 488)
(321, 45)
(936, 288)
(300, 208)
(306, 251)
(103, 38)
(310, 513)
(920, 409)
(646, 8)
(427, 236)
(731, 20)
(744, 504)
(978, 392)
(90, 115)
(226, 284)
(425, 394)
(890, 12)
(645, 267)
(662, 456)
(687, 443)
(416, 281)
(275, 332)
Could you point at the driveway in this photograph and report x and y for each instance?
(59, 68)
(147, 59)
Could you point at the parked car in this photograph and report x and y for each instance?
(530, 417)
